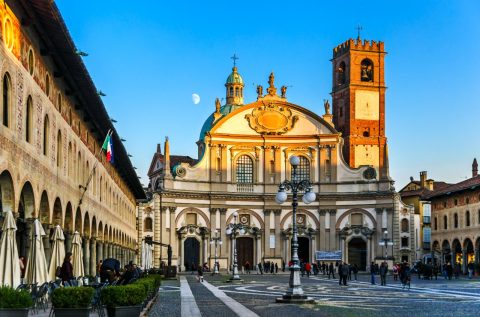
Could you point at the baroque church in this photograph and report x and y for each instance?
(243, 156)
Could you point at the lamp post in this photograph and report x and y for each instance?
(217, 241)
(386, 242)
(295, 292)
(232, 229)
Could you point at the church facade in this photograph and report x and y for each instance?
(243, 156)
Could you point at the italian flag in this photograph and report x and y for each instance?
(108, 147)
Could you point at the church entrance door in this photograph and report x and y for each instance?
(304, 249)
(191, 247)
(244, 251)
(357, 253)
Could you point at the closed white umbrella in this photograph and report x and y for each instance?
(144, 254)
(9, 262)
(58, 252)
(148, 257)
(36, 271)
(77, 255)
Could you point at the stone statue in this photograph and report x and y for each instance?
(259, 91)
(326, 104)
(283, 89)
(217, 105)
(271, 80)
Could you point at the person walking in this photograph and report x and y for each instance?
(200, 274)
(372, 273)
(276, 268)
(259, 265)
(355, 271)
(345, 270)
(340, 273)
(23, 266)
(383, 274)
(308, 268)
(435, 271)
(395, 272)
(66, 272)
(449, 270)
(470, 268)
(331, 271)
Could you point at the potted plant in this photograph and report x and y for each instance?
(72, 301)
(123, 301)
(14, 303)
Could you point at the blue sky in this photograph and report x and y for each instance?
(150, 56)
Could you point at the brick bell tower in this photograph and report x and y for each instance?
(358, 97)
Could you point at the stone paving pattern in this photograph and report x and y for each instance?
(258, 292)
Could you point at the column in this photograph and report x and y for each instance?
(173, 232)
(86, 256)
(266, 246)
(258, 241)
(46, 243)
(477, 255)
(369, 250)
(163, 234)
(99, 251)
(278, 240)
(93, 256)
(343, 247)
(314, 248)
(105, 250)
(223, 220)
(68, 241)
(181, 262)
(110, 250)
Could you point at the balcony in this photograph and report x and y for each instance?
(244, 188)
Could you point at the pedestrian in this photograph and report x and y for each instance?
(283, 265)
(470, 267)
(272, 268)
(456, 270)
(324, 268)
(302, 269)
(345, 270)
(405, 275)
(247, 267)
(395, 272)
(308, 268)
(200, 274)
(355, 271)
(340, 273)
(259, 265)
(21, 261)
(350, 269)
(109, 270)
(66, 272)
(276, 268)
(449, 270)
(331, 271)
(372, 273)
(435, 271)
(383, 274)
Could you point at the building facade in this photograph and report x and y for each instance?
(243, 156)
(456, 221)
(52, 125)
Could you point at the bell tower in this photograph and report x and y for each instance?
(358, 97)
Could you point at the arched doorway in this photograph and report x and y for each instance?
(191, 247)
(457, 252)
(244, 251)
(357, 253)
(446, 251)
(303, 249)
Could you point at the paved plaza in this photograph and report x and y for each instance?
(256, 297)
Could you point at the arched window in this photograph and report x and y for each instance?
(148, 224)
(47, 85)
(237, 92)
(29, 120)
(244, 170)
(366, 73)
(46, 134)
(404, 225)
(31, 62)
(231, 92)
(445, 222)
(467, 218)
(435, 223)
(341, 73)
(59, 103)
(6, 99)
(59, 149)
(303, 169)
(455, 220)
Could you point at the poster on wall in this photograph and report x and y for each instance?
(328, 255)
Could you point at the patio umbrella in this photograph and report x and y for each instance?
(144, 255)
(58, 252)
(36, 271)
(77, 255)
(9, 263)
(149, 256)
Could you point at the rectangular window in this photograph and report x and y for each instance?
(405, 242)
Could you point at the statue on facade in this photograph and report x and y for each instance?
(283, 89)
(259, 91)
(326, 104)
(217, 105)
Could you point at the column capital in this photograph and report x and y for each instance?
(267, 212)
(164, 209)
(277, 212)
(223, 211)
(213, 210)
(172, 208)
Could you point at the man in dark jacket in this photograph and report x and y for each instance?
(345, 270)
(66, 272)
(331, 271)
(110, 270)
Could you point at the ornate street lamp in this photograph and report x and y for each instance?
(294, 292)
(232, 229)
(386, 242)
(217, 241)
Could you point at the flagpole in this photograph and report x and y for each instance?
(109, 133)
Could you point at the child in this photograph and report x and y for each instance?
(200, 274)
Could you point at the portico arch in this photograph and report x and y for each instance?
(44, 212)
(7, 193)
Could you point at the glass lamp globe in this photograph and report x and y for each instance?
(235, 214)
(281, 197)
(294, 160)
(228, 231)
(211, 241)
(220, 242)
(310, 196)
(242, 231)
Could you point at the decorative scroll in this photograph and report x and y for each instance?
(271, 119)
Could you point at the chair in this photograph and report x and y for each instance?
(39, 297)
(96, 302)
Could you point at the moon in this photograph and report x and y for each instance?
(195, 99)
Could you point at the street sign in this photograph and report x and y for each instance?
(382, 243)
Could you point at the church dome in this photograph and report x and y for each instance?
(234, 77)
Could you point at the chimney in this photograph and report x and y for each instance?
(430, 184)
(474, 168)
(423, 179)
